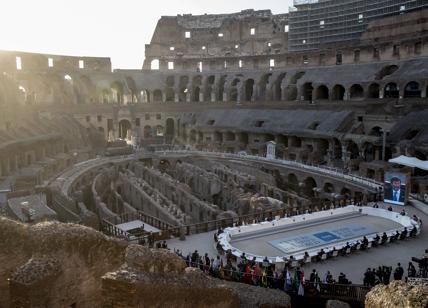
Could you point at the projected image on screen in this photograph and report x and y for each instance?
(395, 188)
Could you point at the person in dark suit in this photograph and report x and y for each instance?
(394, 191)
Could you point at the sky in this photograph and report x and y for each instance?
(117, 29)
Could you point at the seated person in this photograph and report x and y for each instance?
(355, 246)
(390, 208)
(384, 237)
(376, 240)
(403, 212)
(403, 234)
(342, 279)
(331, 253)
(365, 242)
(413, 231)
(306, 256)
(320, 254)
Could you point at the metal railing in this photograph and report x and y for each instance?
(311, 167)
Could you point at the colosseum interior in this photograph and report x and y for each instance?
(228, 121)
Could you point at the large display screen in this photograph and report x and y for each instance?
(395, 188)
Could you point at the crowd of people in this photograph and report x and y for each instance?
(293, 281)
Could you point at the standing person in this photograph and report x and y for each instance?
(398, 273)
(411, 270)
(287, 280)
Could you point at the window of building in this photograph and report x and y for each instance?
(200, 66)
(220, 35)
(137, 121)
(253, 31)
(172, 48)
(360, 18)
(225, 64)
(81, 64)
(147, 116)
(272, 63)
(236, 46)
(269, 44)
(67, 77)
(322, 58)
(158, 116)
(88, 118)
(240, 63)
(357, 55)
(286, 28)
(402, 8)
(204, 47)
(304, 42)
(360, 119)
(418, 48)
(154, 65)
(339, 58)
(18, 63)
(50, 62)
(376, 54)
(170, 65)
(187, 34)
(99, 118)
(322, 23)
(259, 124)
(396, 50)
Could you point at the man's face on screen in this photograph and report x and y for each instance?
(396, 185)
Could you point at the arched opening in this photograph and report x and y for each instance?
(376, 131)
(386, 71)
(374, 90)
(117, 91)
(412, 89)
(124, 129)
(221, 84)
(169, 95)
(196, 94)
(338, 93)
(328, 188)
(157, 96)
(154, 65)
(346, 193)
(29, 159)
(292, 181)
(218, 137)
(307, 91)
(308, 189)
(145, 96)
(353, 150)
(249, 86)
(243, 137)
(356, 92)
(182, 95)
(147, 131)
(193, 136)
(391, 90)
(337, 149)
(321, 92)
(170, 127)
(369, 152)
(233, 95)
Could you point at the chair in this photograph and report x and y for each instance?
(358, 247)
(348, 250)
(308, 260)
(324, 257)
(335, 253)
(369, 245)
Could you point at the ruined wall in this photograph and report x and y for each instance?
(63, 265)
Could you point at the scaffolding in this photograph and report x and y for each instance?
(316, 22)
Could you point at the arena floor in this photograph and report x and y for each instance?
(353, 265)
(297, 240)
